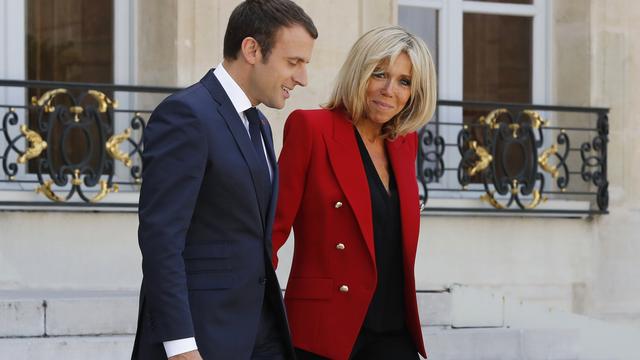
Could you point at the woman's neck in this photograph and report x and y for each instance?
(371, 133)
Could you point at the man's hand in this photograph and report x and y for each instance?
(191, 355)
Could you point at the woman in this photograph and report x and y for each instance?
(348, 188)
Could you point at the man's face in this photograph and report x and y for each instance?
(286, 67)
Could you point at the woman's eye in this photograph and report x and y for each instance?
(405, 82)
(379, 75)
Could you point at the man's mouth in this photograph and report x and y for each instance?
(285, 92)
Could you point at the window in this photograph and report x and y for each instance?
(497, 66)
(486, 51)
(67, 41)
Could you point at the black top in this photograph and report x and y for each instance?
(386, 311)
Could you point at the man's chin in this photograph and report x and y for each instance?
(276, 105)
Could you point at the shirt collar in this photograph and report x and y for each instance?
(238, 98)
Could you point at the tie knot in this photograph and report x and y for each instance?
(252, 115)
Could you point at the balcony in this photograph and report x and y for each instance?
(523, 159)
(79, 146)
(74, 145)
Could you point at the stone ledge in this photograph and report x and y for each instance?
(27, 313)
(21, 317)
(500, 344)
(68, 348)
(109, 314)
(434, 308)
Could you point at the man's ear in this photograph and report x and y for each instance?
(250, 50)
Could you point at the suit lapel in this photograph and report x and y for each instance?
(346, 162)
(268, 139)
(271, 156)
(402, 162)
(240, 135)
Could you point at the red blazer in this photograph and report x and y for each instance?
(324, 195)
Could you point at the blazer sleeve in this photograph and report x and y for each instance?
(174, 162)
(292, 164)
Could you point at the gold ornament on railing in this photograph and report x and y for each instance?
(36, 145)
(104, 190)
(102, 104)
(76, 111)
(491, 122)
(103, 100)
(543, 161)
(46, 98)
(45, 189)
(536, 119)
(45, 101)
(113, 147)
(490, 198)
(484, 158)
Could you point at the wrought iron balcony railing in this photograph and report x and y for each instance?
(515, 158)
(72, 143)
(80, 145)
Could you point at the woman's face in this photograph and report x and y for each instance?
(388, 90)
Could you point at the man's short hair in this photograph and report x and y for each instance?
(261, 20)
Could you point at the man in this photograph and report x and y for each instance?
(207, 201)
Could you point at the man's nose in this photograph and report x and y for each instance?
(300, 76)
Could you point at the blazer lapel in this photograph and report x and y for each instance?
(402, 164)
(240, 135)
(346, 162)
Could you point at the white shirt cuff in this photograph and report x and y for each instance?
(180, 346)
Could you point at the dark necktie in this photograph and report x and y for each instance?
(256, 140)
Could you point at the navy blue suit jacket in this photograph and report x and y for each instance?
(204, 234)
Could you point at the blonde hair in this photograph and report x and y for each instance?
(378, 46)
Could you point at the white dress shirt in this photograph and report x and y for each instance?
(241, 103)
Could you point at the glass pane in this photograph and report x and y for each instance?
(497, 58)
(423, 22)
(71, 41)
(507, 1)
(497, 67)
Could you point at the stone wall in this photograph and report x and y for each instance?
(583, 265)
